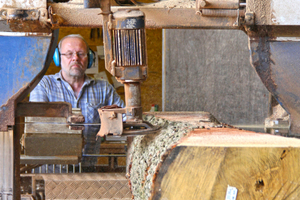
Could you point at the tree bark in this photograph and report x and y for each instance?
(196, 158)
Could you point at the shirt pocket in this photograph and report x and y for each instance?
(92, 112)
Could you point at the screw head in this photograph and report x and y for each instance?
(203, 3)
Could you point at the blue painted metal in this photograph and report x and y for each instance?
(22, 58)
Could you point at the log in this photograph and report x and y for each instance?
(190, 160)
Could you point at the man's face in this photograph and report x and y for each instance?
(74, 58)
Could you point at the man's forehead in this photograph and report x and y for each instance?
(73, 42)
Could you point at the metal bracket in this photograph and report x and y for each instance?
(134, 129)
(111, 121)
(52, 109)
(277, 126)
(23, 14)
(249, 19)
(225, 9)
(76, 118)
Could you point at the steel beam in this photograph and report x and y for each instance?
(169, 17)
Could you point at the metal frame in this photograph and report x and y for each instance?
(156, 17)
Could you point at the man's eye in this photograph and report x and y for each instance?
(69, 54)
(81, 54)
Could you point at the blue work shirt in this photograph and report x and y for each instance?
(93, 95)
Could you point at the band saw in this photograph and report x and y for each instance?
(29, 28)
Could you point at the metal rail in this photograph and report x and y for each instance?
(158, 16)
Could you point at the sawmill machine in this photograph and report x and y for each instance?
(28, 34)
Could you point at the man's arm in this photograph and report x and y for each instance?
(113, 97)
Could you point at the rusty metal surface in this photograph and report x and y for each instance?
(111, 122)
(141, 128)
(86, 186)
(262, 10)
(44, 109)
(107, 37)
(218, 4)
(136, 73)
(22, 87)
(260, 59)
(222, 13)
(158, 16)
(133, 101)
(91, 4)
(276, 60)
(76, 119)
(25, 16)
(28, 26)
(22, 15)
(130, 48)
(23, 4)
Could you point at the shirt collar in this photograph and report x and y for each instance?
(88, 80)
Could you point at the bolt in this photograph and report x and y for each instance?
(249, 17)
(33, 14)
(43, 14)
(4, 13)
(203, 3)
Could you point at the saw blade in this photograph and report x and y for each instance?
(59, 123)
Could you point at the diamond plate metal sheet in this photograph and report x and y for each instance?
(86, 186)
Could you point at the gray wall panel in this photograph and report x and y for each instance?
(209, 70)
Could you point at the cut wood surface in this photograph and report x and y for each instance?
(42, 137)
(45, 125)
(189, 162)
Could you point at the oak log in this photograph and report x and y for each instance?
(189, 161)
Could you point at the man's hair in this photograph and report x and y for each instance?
(73, 36)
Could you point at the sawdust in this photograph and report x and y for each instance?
(174, 4)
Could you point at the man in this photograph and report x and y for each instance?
(72, 85)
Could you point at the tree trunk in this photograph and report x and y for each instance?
(197, 158)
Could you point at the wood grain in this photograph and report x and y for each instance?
(205, 161)
(200, 171)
